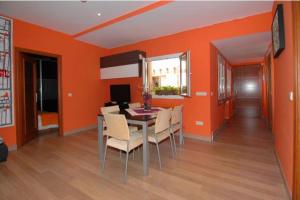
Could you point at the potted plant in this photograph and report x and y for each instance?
(166, 90)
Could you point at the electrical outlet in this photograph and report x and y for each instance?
(291, 96)
(199, 123)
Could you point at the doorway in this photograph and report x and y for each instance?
(269, 89)
(37, 95)
(247, 91)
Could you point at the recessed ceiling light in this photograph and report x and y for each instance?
(99, 14)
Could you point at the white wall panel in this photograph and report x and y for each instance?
(124, 71)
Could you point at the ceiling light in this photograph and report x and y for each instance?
(99, 14)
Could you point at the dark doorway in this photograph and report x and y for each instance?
(247, 90)
(38, 102)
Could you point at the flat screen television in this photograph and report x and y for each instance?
(120, 93)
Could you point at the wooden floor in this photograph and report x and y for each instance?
(240, 164)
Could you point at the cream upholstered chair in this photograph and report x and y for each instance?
(135, 105)
(112, 109)
(176, 122)
(106, 110)
(161, 130)
(120, 137)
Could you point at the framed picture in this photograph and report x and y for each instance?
(278, 40)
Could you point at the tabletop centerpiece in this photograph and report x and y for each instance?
(147, 96)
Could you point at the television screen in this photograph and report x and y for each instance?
(120, 93)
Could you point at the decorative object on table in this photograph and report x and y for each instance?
(147, 96)
(6, 112)
(142, 111)
(278, 39)
(3, 151)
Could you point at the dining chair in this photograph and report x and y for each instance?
(120, 137)
(112, 109)
(135, 105)
(176, 122)
(161, 131)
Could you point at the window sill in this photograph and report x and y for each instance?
(167, 97)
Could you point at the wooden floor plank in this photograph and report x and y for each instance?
(240, 164)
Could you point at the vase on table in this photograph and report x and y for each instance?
(147, 100)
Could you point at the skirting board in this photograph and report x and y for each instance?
(76, 131)
(198, 137)
(13, 148)
(283, 175)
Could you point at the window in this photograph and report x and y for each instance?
(221, 78)
(228, 81)
(169, 74)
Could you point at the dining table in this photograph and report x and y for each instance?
(142, 120)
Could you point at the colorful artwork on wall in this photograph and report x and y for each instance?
(6, 89)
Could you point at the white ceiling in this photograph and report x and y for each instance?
(69, 17)
(172, 18)
(248, 48)
(74, 17)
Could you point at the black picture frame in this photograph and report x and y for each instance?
(278, 38)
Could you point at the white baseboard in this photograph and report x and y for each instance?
(198, 137)
(76, 131)
(13, 148)
(283, 175)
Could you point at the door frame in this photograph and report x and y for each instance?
(296, 27)
(19, 97)
(269, 86)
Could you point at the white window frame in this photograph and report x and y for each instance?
(228, 81)
(221, 78)
(168, 56)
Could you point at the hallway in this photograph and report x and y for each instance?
(240, 164)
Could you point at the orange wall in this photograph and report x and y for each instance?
(80, 70)
(264, 95)
(135, 88)
(80, 74)
(198, 42)
(283, 108)
(219, 110)
(265, 106)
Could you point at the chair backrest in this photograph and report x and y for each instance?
(117, 126)
(162, 121)
(110, 109)
(176, 114)
(135, 105)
